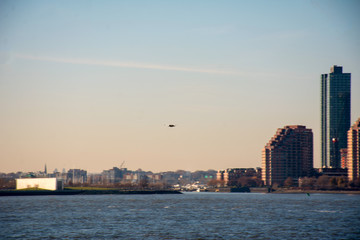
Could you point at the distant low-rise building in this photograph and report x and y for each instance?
(95, 178)
(131, 177)
(76, 176)
(154, 178)
(333, 172)
(113, 175)
(232, 174)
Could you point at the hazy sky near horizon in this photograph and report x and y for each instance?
(90, 84)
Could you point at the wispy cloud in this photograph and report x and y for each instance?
(214, 30)
(284, 35)
(244, 74)
(82, 61)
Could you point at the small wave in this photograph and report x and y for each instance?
(325, 211)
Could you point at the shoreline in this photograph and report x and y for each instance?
(82, 192)
(289, 191)
(284, 191)
(150, 192)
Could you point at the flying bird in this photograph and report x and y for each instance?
(171, 125)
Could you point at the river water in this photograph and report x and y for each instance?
(185, 216)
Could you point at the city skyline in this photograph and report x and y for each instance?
(88, 85)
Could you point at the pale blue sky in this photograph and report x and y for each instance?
(90, 84)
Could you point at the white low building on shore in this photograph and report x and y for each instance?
(40, 183)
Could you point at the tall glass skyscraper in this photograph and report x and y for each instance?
(335, 115)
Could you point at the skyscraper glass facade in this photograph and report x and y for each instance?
(335, 115)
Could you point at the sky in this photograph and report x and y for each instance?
(94, 84)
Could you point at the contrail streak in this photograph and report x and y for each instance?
(82, 61)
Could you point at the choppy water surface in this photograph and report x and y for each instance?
(186, 216)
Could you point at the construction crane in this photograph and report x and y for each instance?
(122, 164)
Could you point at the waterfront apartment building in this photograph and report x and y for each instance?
(289, 153)
(353, 151)
(335, 115)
